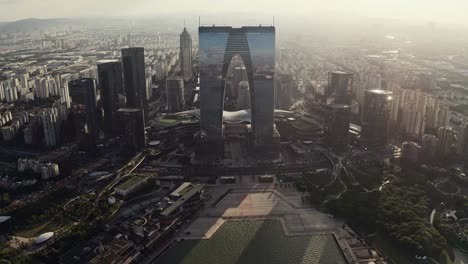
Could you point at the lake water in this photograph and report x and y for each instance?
(254, 242)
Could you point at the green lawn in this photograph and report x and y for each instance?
(445, 258)
(5, 250)
(167, 121)
(391, 251)
(36, 230)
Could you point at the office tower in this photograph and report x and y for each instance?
(336, 126)
(285, 91)
(133, 60)
(175, 94)
(186, 55)
(447, 141)
(339, 87)
(83, 108)
(134, 128)
(429, 145)
(256, 47)
(111, 84)
(376, 116)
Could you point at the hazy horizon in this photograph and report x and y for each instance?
(423, 11)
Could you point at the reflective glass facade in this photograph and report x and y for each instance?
(256, 47)
(133, 60)
(376, 116)
(111, 84)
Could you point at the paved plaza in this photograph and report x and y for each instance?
(253, 201)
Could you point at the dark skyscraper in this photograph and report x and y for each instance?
(186, 55)
(112, 93)
(337, 125)
(376, 116)
(339, 87)
(256, 47)
(83, 108)
(175, 94)
(133, 61)
(134, 129)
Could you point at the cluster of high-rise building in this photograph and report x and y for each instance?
(46, 170)
(415, 111)
(217, 47)
(51, 120)
(10, 125)
(92, 91)
(37, 83)
(123, 103)
(411, 113)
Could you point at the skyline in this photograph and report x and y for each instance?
(448, 12)
(254, 132)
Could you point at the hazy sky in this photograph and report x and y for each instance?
(450, 11)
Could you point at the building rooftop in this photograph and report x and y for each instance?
(341, 72)
(130, 182)
(380, 91)
(185, 197)
(241, 116)
(4, 218)
(338, 106)
(106, 61)
(44, 237)
(129, 110)
(182, 189)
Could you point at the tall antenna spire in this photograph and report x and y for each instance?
(273, 20)
(184, 23)
(199, 21)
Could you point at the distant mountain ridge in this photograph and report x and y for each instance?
(34, 24)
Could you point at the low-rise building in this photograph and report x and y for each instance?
(186, 198)
(129, 186)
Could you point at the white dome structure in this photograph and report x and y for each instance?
(44, 237)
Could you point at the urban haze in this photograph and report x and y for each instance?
(234, 132)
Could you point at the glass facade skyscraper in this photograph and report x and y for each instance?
(133, 60)
(84, 112)
(175, 94)
(256, 47)
(134, 129)
(339, 87)
(113, 95)
(186, 55)
(376, 116)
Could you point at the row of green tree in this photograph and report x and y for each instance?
(400, 211)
